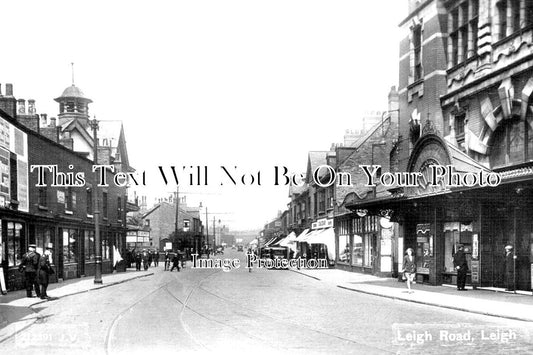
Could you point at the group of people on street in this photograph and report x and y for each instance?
(178, 261)
(460, 264)
(142, 258)
(37, 269)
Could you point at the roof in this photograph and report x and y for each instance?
(73, 92)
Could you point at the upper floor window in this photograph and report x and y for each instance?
(70, 199)
(513, 15)
(459, 127)
(104, 204)
(417, 52)
(119, 208)
(463, 31)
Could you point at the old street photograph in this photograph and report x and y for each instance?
(266, 177)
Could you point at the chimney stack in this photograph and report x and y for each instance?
(21, 107)
(9, 90)
(31, 107)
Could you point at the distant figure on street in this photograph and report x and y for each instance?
(146, 259)
(460, 264)
(138, 260)
(509, 268)
(45, 270)
(30, 266)
(156, 258)
(409, 268)
(167, 260)
(176, 262)
(129, 257)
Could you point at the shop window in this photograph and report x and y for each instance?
(70, 245)
(368, 250)
(43, 237)
(105, 245)
(15, 240)
(89, 244)
(357, 250)
(344, 249)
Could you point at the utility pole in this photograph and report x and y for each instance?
(96, 213)
(177, 213)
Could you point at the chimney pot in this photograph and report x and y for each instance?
(44, 119)
(52, 122)
(31, 107)
(9, 89)
(0, 90)
(21, 107)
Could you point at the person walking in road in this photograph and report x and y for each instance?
(156, 258)
(509, 268)
(45, 270)
(138, 260)
(167, 260)
(176, 261)
(460, 264)
(409, 268)
(30, 266)
(146, 259)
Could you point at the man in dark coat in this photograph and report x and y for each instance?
(156, 258)
(167, 260)
(45, 270)
(138, 260)
(176, 261)
(509, 268)
(30, 265)
(460, 264)
(146, 259)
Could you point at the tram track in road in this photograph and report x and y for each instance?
(367, 347)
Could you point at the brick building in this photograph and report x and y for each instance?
(465, 90)
(57, 215)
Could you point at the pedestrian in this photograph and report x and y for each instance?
(45, 270)
(146, 259)
(509, 268)
(138, 260)
(167, 260)
(460, 264)
(150, 257)
(156, 258)
(176, 262)
(409, 268)
(30, 265)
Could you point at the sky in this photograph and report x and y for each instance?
(246, 84)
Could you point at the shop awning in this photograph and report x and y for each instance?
(289, 242)
(300, 238)
(324, 236)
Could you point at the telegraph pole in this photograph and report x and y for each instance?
(96, 213)
(177, 213)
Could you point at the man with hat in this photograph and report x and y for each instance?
(460, 264)
(30, 265)
(509, 268)
(45, 270)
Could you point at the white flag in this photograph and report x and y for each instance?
(116, 256)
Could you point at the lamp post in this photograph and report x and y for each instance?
(96, 214)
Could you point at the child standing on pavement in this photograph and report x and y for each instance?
(409, 268)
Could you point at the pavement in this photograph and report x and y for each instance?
(487, 302)
(18, 312)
